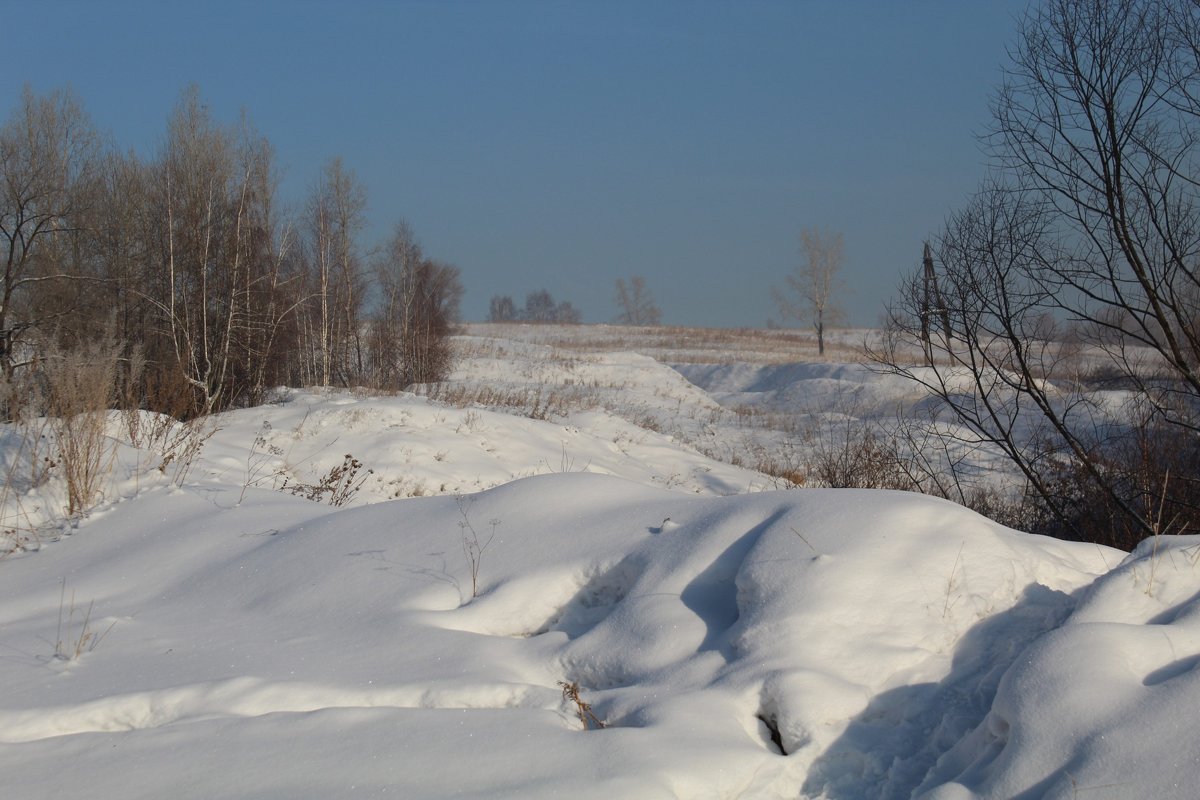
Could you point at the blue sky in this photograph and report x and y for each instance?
(562, 145)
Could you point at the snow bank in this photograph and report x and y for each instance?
(1103, 706)
(761, 644)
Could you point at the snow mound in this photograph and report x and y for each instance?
(835, 643)
(1103, 706)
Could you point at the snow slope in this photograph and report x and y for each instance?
(214, 636)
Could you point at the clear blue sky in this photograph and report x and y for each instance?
(561, 145)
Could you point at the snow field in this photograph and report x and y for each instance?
(240, 641)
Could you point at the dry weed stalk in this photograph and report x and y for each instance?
(589, 720)
(473, 546)
(181, 444)
(1160, 530)
(806, 541)
(523, 401)
(337, 487)
(86, 640)
(258, 459)
(950, 582)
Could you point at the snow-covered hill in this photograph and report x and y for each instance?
(615, 614)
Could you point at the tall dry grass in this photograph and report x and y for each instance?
(81, 387)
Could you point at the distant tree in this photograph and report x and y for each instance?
(410, 340)
(437, 291)
(809, 290)
(502, 309)
(636, 303)
(539, 307)
(567, 314)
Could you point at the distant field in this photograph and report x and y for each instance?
(689, 345)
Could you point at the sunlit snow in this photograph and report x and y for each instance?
(207, 635)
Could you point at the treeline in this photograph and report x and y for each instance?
(189, 264)
(540, 306)
(633, 299)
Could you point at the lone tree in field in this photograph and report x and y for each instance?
(809, 290)
(636, 303)
(1076, 270)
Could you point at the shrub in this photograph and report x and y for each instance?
(337, 487)
(856, 455)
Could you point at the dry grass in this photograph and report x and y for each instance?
(76, 642)
(670, 344)
(177, 443)
(535, 403)
(75, 389)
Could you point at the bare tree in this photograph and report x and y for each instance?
(636, 303)
(567, 314)
(808, 293)
(335, 217)
(269, 296)
(502, 309)
(540, 306)
(199, 213)
(437, 290)
(1075, 269)
(123, 245)
(208, 292)
(411, 330)
(48, 171)
(210, 256)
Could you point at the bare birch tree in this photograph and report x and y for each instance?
(636, 303)
(186, 261)
(210, 215)
(808, 292)
(335, 218)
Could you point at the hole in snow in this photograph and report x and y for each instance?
(770, 732)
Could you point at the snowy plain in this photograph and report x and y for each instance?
(576, 515)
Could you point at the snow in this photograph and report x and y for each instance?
(236, 640)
